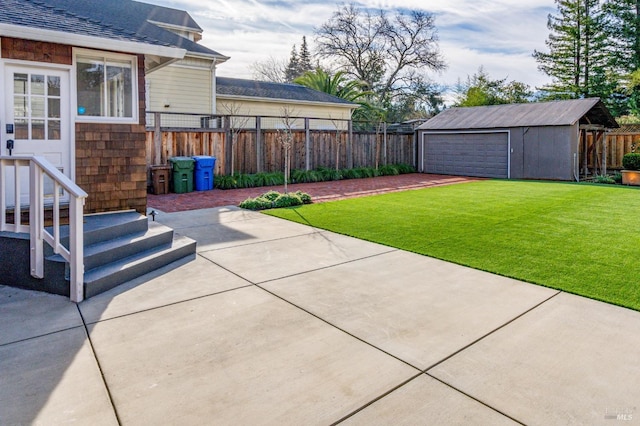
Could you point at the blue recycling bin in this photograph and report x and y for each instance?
(203, 175)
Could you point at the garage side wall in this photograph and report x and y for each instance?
(548, 152)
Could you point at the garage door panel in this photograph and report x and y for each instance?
(467, 154)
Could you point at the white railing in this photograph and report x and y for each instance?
(38, 169)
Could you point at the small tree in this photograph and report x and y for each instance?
(236, 124)
(285, 139)
(337, 125)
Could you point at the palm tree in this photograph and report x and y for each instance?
(338, 85)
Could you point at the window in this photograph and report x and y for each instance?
(36, 106)
(106, 87)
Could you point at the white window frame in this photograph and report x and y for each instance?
(105, 56)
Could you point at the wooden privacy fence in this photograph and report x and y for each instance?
(262, 151)
(610, 150)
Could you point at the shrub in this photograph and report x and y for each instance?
(405, 168)
(225, 182)
(617, 176)
(321, 174)
(367, 172)
(271, 195)
(604, 179)
(287, 200)
(388, 170)
(304, 197)
(631, 161)
(329, 174)
(257, 203)
(268, 179)
(305, 176)
(351, 174)
(275, 199)
(244, 180)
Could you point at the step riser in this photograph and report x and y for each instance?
(92, 288)
(113, 225)
(120, 252)
(117, 231)
(118, 247)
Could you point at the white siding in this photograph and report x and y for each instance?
(184, 89)
(275, 109)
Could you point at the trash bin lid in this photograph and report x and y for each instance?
(182, 162)
(204, 161)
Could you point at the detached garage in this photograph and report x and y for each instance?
(520, 141)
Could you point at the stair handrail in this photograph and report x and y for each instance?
(38, 168)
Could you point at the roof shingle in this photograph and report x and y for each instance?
(123, 20)
(556, 113)
(270, 90)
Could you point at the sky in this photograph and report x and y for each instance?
(499, 35)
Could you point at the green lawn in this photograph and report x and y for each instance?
(580, 238)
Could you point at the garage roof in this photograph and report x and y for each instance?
(556, 113)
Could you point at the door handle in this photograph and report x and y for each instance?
(10, 145)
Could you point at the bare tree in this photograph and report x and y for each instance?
(236, 124)
(271, 69)
(385, 52)
(285, 138)
(337, 125)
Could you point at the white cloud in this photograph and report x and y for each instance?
(500, 35)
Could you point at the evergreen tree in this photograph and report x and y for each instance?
(624, 28)
(299, 63)
(304, 57)
(579, 59)
(293, 68)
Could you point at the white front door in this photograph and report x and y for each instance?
(37, 119)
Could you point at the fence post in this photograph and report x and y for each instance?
(157, 138)
(307, 144)
(604, 153)
(350, 145)
(259, 147)
(384, 142)
(228, 145)
(414, 149)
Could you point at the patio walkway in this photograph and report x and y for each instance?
(319, 191)
(277, 323)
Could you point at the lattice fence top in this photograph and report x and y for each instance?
(627, 128)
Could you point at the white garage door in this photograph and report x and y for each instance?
(467, 154)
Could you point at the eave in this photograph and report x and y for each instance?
(156, 55)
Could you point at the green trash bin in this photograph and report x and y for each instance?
(182, 168)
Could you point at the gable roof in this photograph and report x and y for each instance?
(241, 88)
(117, 20)
(556, 113)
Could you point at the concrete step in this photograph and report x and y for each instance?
(108, 276)
(104, 252)
(121, 246)
(108, 226)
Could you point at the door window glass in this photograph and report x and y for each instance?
(36, 106)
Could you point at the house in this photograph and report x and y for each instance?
(545, 140)
(74, 74)
(189, 84)
(271, 100)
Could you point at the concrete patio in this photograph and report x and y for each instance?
(280, 323)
